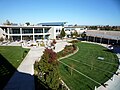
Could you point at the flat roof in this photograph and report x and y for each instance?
(104, 34)
(52, 24)
(12, 26)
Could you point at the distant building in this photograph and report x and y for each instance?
(71, 29)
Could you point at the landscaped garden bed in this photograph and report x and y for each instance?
(69, 49)
(10, 59)
(46, 70)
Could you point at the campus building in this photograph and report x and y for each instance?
(40, 31)
(102, 36)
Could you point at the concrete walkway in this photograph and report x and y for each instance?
(60, 45)
(23, 78)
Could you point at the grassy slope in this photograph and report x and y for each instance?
(88, 53)
(10, 59)
(13, 54)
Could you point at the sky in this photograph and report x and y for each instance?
(80, 12)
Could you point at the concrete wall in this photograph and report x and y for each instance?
(1, 33)
(53, 32)
(52, 35)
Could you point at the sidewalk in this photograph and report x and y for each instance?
(23, 78)
(60, 45)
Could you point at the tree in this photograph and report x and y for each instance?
(47, 69)
(71, 69)
(10, 39)
(74, 34)
(1, 39)
(27, 23)
(62, 33)
(83, 35)
(7, 22)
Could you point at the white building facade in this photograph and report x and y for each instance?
(30, 32)
(40, 31)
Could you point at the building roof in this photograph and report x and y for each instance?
(13, 26)
(104, 34)
(52, 24)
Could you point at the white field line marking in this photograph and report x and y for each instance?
(81, 73)
(90, 65)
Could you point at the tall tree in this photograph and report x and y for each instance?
(62, 33)
(27, 23)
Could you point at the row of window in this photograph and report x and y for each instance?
(29, 37)
(27, 31)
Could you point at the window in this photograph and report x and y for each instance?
(46, 30)
(27, 31)
(39, 30)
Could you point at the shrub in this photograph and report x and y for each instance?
(74, 41)
(42, 44)
(1, 39)
(66, 51)
(47, 69)
(54, 41)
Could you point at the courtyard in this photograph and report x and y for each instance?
(84, 70)
(90, 67)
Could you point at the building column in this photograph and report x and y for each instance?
(117, 40)
(87, 38)
(108, 41)
(33, 35)
(101, 40)
(94, 39)
(43, 33)
(21, 33)
(8, 32)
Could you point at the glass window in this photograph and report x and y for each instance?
(46, 30)
(16, 31)
(39, 30)
(27, 31)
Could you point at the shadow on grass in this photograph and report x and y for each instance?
(11, 79)
(107, 50)
(6, 71)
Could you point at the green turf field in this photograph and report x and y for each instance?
(88, 70)
(10, 59)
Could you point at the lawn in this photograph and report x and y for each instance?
(10, 59)
(88, 70)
